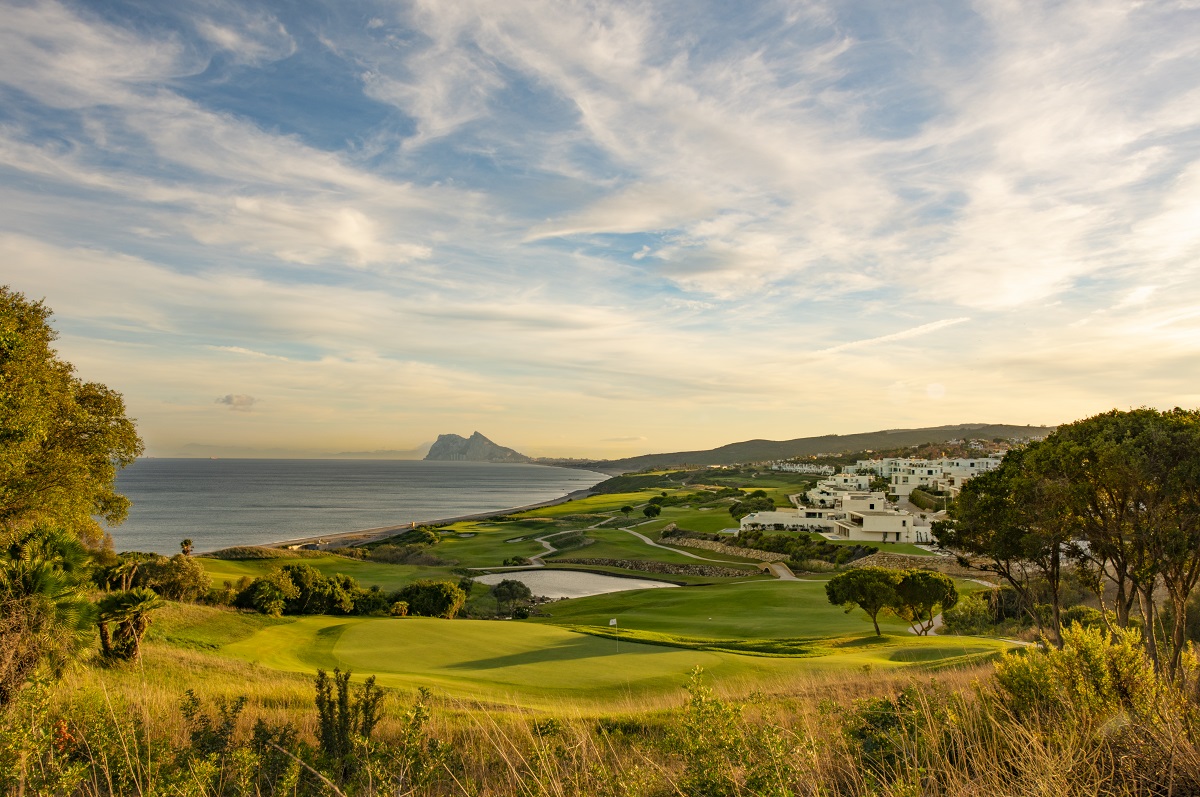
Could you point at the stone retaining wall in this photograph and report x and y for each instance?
(646, 566)
(903, 561)
(728, 550)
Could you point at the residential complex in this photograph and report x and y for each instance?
(844, 507)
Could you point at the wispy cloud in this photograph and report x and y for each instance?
(668, 217)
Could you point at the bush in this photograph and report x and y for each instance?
(1093, 677)
(180, 578)
(429, 598)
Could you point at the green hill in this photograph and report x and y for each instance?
(764, 450)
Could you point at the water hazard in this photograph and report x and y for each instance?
(572, 583)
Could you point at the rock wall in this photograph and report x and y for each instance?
(728, 550)
(901, 561)
(646, 566)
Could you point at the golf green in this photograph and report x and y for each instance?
(542, 665)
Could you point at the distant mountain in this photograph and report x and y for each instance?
(476, 448)
(766, 450)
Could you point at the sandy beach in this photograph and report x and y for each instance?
(348, 538)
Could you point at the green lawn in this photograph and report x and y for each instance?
(765, 609)
(709, 521)
(618, 544)
(596, 503)
(543, 665)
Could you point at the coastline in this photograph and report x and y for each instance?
(350, 538)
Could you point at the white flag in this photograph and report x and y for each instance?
(612, 621)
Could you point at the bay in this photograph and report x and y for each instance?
(219, 503)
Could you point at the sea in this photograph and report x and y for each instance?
(220, 503)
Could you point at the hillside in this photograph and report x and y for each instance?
(476, 448)
(764, 450)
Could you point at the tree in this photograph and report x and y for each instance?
(268, 594)
(179, 578)
(625, 510)
(755, 502)
(921, 595)
(1135, 479)
(185, 546)
(652, 510)
(129, 613)
(871, 589)
(510, 592)
(45, 615)
(1017, 520)
(62, 440)
(428, 598)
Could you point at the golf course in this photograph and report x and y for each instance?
(740, 625)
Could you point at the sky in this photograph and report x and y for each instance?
(598, 229)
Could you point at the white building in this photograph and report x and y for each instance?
(803, 467)
(857, 516)
(937, 473)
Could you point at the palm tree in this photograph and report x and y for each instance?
(186, 547)
(44, 611)
(129, 612)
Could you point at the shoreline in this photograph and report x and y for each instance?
(351, 538)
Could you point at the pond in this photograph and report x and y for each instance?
(572, 583)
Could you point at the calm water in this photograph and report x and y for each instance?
(223, 502)
(572, 583)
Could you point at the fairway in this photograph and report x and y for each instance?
(542, 665)
(761, 609)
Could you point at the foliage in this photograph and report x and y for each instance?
(123, 619)
(921, 595)
(871, 589)
(62, 440)
(1090, 679)
(180, 578)
(431, 598)
(1119, 493)
(652, 510)
(757, 501)
(345, 724)
(509, 593)
(268, 594)
(799, 546)
(44, 611)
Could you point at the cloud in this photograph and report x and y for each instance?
(237, 402)
(515, 216)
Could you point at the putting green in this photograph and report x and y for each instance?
(542, 665)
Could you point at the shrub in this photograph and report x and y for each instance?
(180, 578)
(428, 598)
(1093, 677)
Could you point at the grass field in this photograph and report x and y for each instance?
(547, 666)
(618, 544)
(765, 609)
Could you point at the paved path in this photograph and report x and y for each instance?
(781, 571)
(536, 560)
(654, 544)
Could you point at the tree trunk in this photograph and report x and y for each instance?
(105, 640)
(1149, 619)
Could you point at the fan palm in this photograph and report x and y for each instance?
(44, 611)
(128, 612)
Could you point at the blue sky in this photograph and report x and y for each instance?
(600, 229)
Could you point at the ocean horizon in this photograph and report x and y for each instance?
(220, 503)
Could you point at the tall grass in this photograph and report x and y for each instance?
(1091, 719)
